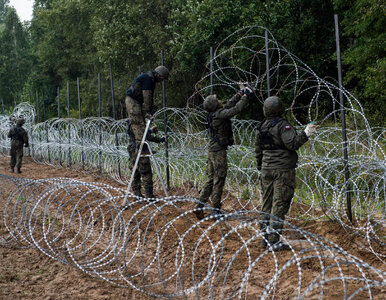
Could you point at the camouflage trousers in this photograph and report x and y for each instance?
(16, 156)
(217, 172)
(143, 171)
(278, 188)
(137, 119)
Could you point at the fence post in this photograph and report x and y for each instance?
(211, 70)
(29, 148)
(100, 122)
(343, 121)
(59, 131)
(37, 106)
(115, 116)
(32, 139)
(267, 64)
(38, 109)
(2, 109)
(80, 121)
(165, 128)
(68, 124)
(46, 129)
(112, 91)
(44, 108)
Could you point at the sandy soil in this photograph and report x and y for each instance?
(30, 274)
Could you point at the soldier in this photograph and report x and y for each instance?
(139, 105)
(221, 136)
(19, 137)
(139, 99)
(143, 171)
(275, 146)
(12, 121)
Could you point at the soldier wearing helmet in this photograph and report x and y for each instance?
(12, 120)
(275, 147)
(19, 138)
(221, 137)
(139, 105)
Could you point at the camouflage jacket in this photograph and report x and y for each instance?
(18, 136)
(142, 90)
(281, 153)
(219, 123)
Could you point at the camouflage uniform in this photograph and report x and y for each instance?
(139, 103)
(217, 171)
(221, 136)
(139, 98)
(275, 146)
(19, 138)
(143, 172)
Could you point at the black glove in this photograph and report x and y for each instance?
(247, 90)
(26, 145)
(163, 140)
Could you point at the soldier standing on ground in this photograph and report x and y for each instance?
(19, 138)
(275, 147)
(139, 106)
(221, 136)
(143, 171)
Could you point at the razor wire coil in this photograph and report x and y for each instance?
(83, 224)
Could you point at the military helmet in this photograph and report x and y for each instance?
(210, 103)
(163, 71)
(20, 120)
(273, 107)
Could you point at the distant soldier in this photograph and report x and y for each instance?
(275, 146)
(143, 172)
(19, 138)
(12, 121)
(221, 136)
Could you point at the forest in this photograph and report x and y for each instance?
(71, 40)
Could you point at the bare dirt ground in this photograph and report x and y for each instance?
(30, 274)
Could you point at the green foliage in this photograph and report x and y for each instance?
(73, 39)
(364, 44)
(306, 28)
(15, 60)
(3, 10)
(62, 40)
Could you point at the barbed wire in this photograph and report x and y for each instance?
(160, 249)
(210, 259)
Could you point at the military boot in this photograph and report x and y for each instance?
(279, 246)
(18, 170)
(199, 212)
(137, 192)
(149, 193)
(264, 241)
(216, 214)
